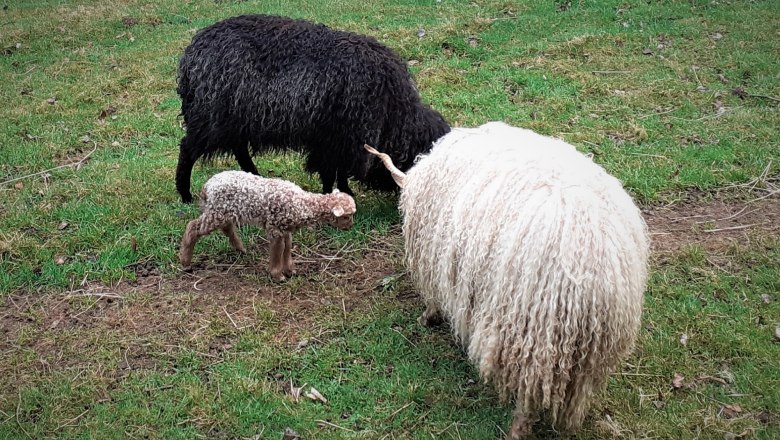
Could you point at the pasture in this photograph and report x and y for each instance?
(102, 336)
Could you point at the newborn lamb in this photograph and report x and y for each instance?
(234, 198)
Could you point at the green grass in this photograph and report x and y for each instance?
(665, 123)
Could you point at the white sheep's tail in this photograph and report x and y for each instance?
(398, 175)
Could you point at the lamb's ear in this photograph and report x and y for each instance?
(335, 191)
(338, 211)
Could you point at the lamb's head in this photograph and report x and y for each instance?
(338, 209)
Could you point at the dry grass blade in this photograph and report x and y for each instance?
(74, 164)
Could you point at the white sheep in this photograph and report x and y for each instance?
(537, 257)
(233, 198)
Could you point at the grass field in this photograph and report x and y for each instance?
(101, 336)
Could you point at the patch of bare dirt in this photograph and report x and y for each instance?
(143, 324)
(137, 325)
(713, 225)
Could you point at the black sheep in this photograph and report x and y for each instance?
(258, 82)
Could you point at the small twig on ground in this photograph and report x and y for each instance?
(737, 214)
(678, 219)
(195, 285)
(76, 164)
(97, 294)
(399, 410)
(19, 422)
(325, 422)
(764, 96)
(404, 336)
(766, 196)
(733, 228)
(610, 72)
(657, 156)
(696, 75)
(658, 113)
(68, 423)
(230, 317)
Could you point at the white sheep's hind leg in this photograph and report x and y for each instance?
(230, 230)
(289, 266)
(276, 252)
(521, 426)
(431, 316)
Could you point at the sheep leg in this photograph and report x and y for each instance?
(343, 182)
(235, 241)
(195, 229)
(431, 316)
(521, 426)
(244, 159)
(277, 256)
(184, 168)
(328, 178)
(289, 266)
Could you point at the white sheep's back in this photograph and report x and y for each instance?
(536, 255)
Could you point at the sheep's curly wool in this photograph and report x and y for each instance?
(233, 198)
(264, 82)
(536, 255)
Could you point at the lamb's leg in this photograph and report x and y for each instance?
(521, 426)
(343, 182)
(276, 256)
(289, 266)
(241, 151)
(431, 316)
(230, 230)
(195, 229)
(189, 152)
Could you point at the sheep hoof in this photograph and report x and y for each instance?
(521, 427)
(186, 268)
(290, 272)
(430, 319)
(278, 276)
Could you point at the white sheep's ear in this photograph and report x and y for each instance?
(338, 211)
(335, 191)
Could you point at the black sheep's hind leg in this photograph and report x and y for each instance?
(244, 159)
(343, 182)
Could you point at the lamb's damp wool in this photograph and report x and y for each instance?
(234, 198)
(537, 257)
(254, 83)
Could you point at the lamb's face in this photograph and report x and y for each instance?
(342, 211)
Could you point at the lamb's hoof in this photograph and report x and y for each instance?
(290, 272)
(241, 249)
(278, 277)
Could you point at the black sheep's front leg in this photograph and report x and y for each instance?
(343, 181)
(328, 177)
